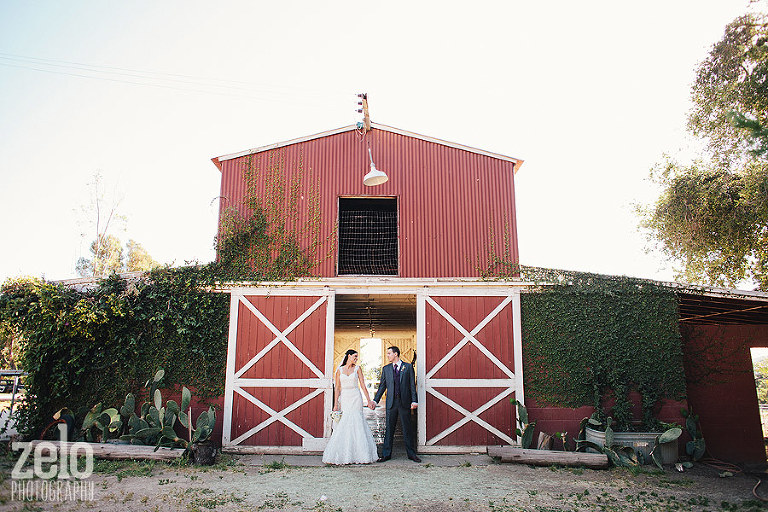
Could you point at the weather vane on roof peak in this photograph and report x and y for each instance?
(363, 109)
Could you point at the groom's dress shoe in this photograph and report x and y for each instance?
(415, 458)
(384, 459)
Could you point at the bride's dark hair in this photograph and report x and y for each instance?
(346, 356)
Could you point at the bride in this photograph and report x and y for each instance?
(351, 441)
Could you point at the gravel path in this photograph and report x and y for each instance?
(471, 483)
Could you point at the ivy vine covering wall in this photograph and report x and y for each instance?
(84, 347)
(593, 339)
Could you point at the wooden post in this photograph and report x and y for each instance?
(366, 115)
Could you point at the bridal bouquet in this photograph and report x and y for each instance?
(336, 416)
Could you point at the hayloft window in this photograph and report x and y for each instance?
(368, 236)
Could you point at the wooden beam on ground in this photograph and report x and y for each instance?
(548, 457)
(111, 451)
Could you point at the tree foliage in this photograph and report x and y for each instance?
(712, 214)
(107, 258)
(138, 258)
(732, 81)
(714, 221)
(761, 380)
(756, 130)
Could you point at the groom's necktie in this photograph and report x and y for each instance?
(397, 380)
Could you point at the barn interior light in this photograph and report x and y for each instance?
(375, 176)
(370, 316)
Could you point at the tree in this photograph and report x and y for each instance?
(731, 86)
(756, 130)
(102, 215)
(110, 258)
(714, 221)
(138, 258)
(712, 214)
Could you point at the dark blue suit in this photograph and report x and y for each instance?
(398, 406)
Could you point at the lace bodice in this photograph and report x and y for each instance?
(349, 381)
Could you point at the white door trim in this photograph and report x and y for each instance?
(275, 415)
(469, 337)
(427, 383)
(281, 336)
(470, 416)
(236, 384)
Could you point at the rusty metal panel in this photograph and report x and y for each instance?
(455, 206)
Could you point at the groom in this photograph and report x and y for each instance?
(398, 380)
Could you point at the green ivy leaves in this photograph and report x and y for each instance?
(83, 347)
(598, 338)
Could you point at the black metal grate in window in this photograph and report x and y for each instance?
(368, 239)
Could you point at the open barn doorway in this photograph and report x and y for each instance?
(369, 324)
(760, 369)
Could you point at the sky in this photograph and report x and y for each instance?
(589, 94)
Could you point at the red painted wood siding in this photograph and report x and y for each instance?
(279, 363)
(551, 419)
(721, 388)
(469, 363)
(453, 204)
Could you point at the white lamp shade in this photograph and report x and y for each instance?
(375, 177)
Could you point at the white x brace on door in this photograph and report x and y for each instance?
(278, 381)
(470, 365)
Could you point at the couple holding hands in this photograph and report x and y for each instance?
(351, 441)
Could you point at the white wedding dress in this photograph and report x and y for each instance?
(351, 441)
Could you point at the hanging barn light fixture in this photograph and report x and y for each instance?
(374, 176)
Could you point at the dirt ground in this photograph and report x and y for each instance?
(302, 483)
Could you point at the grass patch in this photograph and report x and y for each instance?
(504, 506)
(126, 468)
(225, 461)
(275, 465)
(679, 482)
(324, 506)
(198, 499)
(278, 501)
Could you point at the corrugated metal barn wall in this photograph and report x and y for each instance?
(454, 205)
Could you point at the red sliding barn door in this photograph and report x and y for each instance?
(278, 369)
(469, 368)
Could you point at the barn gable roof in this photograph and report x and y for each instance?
(516, 161)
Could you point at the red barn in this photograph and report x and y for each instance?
(399, 263)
